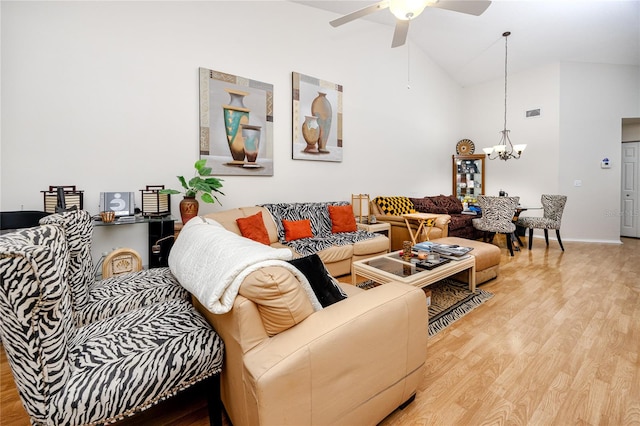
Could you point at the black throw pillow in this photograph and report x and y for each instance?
(323, 285)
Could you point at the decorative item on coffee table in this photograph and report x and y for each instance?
(406, 250)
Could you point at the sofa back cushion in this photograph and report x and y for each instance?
(316, 213)
(279, 297)
(395, 206)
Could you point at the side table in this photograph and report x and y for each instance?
(425, 220)
(383, 228)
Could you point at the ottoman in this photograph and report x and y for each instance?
(487, 258)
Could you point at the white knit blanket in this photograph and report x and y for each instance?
(211, 262)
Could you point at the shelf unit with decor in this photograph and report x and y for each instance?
(468, 176)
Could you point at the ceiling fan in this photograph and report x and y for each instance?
(406, 10)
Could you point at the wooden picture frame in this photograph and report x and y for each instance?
(317, 119)
(236, 124)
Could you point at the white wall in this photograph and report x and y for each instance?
(104, 96)
(593, 100)
(536, 171)
(582, 106)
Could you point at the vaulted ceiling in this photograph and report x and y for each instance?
(471, 48)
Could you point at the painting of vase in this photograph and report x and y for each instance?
(236, 124)
(235, 115)
(317, 119)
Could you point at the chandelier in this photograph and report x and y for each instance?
(505, 150)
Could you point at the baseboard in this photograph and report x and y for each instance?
(579, 240)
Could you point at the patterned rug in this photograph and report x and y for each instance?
(450, 301)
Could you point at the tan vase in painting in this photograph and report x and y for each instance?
(321, 108)
(311, 133)
(188, 208)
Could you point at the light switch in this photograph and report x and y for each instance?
(577, 182)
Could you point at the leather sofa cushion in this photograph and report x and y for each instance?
(281, 300)
(372, 245)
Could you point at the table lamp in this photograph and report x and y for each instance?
(360, 203)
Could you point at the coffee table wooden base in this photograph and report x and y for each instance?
(418, 278)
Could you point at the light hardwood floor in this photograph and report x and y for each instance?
(558, 344)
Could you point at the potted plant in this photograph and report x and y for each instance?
(202, 184)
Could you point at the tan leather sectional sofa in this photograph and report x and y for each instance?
(351, 363)
(337, 259)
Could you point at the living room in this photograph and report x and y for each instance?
(108, 101)
(104, 96)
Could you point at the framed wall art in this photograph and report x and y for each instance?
(317, 119)
(236, 124)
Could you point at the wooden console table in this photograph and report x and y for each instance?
(158, 228)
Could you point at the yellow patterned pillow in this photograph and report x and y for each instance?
(395, 206)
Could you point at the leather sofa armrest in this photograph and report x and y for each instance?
(296, 372)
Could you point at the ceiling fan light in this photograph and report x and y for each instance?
(407, 9)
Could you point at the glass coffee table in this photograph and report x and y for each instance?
(391, 267)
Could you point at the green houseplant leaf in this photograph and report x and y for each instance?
(202, 184)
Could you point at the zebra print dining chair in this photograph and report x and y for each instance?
(107, 370)
(95, 300)
(497, 218)
(553, 207)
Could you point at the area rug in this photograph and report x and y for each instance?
(450, 301)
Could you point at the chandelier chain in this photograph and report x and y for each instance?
(505, 82)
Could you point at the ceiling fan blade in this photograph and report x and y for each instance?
(471, 7)
(400, 33)
(360, 13)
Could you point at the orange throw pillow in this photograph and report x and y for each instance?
(297, 229)
(253, 227)
(342, 219)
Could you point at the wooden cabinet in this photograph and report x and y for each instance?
(468, 176)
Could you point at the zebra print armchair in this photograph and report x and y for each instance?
(553, 206)
(497, 218)
(95, 300)
(107, 370)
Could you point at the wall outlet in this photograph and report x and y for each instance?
(577, 182)
(605, 163)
